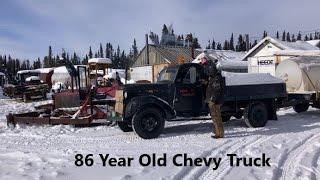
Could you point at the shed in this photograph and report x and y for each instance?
(269, 52)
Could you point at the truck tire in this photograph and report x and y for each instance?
(148, 123)
(299, 108)
(124, 126)
(256, 115)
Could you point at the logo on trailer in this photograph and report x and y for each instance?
(265, 62)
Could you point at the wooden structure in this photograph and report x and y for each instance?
(152, 59)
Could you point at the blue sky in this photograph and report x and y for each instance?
(28, 27)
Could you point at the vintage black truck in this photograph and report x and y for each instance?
(180, 92)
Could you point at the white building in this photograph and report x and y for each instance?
(269, 52)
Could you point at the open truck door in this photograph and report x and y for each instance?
(189, 91)
(82, 81)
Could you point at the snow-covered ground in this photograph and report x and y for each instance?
(47, 152)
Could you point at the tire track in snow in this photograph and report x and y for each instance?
(291, 160)
(225, 167)
(187, 171)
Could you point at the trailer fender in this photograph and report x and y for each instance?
(140, 102)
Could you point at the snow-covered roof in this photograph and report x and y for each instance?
(220, 55)
(227, 59)
(2, 74)
(28, 71)
(298, 45)
(234, 79)
(100, 60)
(296, 53)
(45, 70)
(314, 42)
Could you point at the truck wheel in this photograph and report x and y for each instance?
(225, 118)
(148, 123)
(124, 126)
(299, 108)
(256, 115)
(239, 115)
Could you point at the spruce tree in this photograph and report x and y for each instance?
(209, 45)
(101, 51)
(284, 36)
(90, 53)
(254, 43)
(299, 37)
(219, 46)
(241, 45)
(195, 43)
(306, 38)
(278, 36)
(265, 34)
(50, 59)
(310, 37)
(288, 37)
(213, 45)
(231, 44)
(226, 45)
(293, 38)
(135, 49)
(316, 35)
(165, 29)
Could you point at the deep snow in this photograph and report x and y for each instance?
(47, 152)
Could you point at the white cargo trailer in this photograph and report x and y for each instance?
(143, 73)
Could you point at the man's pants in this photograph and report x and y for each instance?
(215, 113)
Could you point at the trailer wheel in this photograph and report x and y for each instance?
(225, 117)
(256, 115)
(299, 108)
(148, 123)
(124, 126)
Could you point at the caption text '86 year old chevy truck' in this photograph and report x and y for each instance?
(179, 92)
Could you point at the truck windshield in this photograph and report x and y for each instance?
(23, 76)
(167, 74)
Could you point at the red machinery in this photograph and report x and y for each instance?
(78, 106)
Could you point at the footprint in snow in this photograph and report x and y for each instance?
(277, 146)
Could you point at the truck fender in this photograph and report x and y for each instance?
(140, 102)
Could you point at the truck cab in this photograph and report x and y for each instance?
(180, 92)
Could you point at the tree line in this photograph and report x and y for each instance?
(244, 43)
(120, 60)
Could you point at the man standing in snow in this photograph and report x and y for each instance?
(214, 95)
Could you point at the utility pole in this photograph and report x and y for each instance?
(147, 48)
